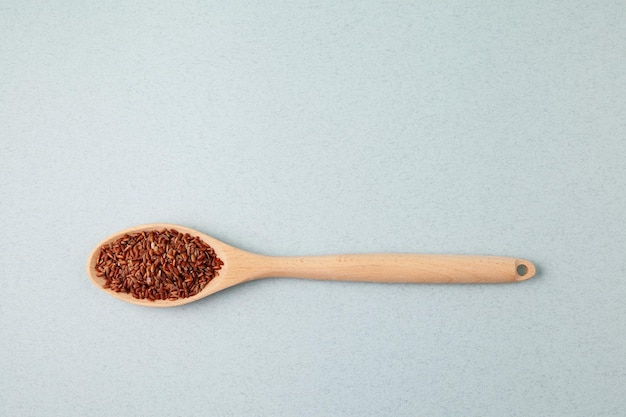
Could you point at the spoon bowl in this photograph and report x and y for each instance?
(242, 266)
(230, 274)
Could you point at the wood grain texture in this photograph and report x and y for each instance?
(400, 268)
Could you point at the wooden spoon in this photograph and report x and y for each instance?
(241, 266)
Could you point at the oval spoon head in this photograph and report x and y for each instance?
(226, 277)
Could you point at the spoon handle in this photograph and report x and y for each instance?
(400, 268)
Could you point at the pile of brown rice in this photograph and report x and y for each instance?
(158, 265)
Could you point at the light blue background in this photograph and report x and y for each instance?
(295, 128)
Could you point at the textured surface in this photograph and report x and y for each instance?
(293, 129)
